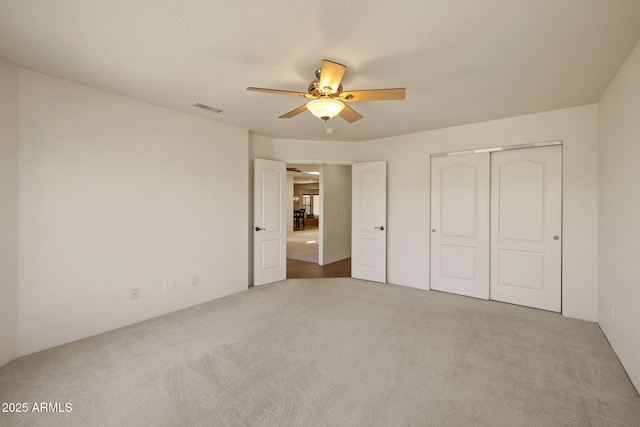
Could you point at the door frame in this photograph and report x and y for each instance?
(251, 224)
(320, 195)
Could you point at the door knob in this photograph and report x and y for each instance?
(433, 230)
(556, 237)
(258, 228)
(381, 228)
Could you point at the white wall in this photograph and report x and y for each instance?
(116, 194)
(8, 209)
(408, 158)
(335, 214)
(295, 151)
(260, 147)
(619, 214)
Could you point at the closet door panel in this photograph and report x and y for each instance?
(460, 224)
(526, 227)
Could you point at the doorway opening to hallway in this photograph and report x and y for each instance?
(311, 236)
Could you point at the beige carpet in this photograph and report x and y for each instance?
(303, 245)
(332, 352)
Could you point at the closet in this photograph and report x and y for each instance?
(496, 223)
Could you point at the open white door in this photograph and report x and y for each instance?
(460, 224)
(526, 227)
(369, 220)
(269, 233)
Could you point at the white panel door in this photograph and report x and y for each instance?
(269, 233)
(369, 220)
(526, 227)
(460, 224)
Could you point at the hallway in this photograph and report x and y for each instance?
(307, 270)
(302, 244)
(302, 257)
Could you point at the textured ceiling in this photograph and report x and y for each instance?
(462, 61)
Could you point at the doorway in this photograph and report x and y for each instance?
(366, 210)
(309, 234)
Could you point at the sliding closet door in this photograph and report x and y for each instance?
(460, 224)
(526, 228)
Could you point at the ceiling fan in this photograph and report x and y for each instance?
(329, 98)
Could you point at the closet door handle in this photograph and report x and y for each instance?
(381, 228)
(258, 228)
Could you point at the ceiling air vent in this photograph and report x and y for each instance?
(206, 107)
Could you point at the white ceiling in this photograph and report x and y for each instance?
(462, 61)
(303, 177)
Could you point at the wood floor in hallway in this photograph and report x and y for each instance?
(303, 270)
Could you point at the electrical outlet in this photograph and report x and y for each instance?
(169, 284)
(194, 280)
(134, 293)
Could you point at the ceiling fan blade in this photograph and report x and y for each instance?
(295, 112)
(276, 91)
(374, 95)
(349, 114)
(331, 75)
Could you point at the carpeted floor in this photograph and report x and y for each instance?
(303, 245)
(332, 352)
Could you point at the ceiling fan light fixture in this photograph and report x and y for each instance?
(326, 90)
(325, 108)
